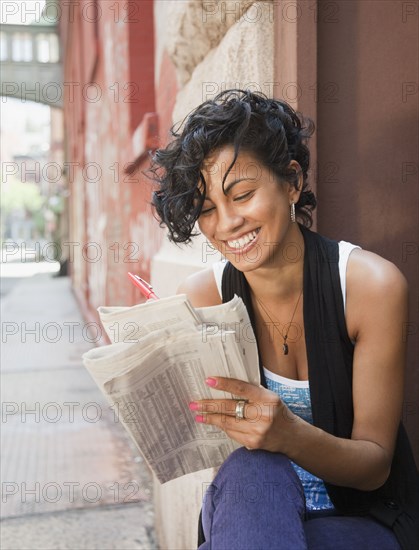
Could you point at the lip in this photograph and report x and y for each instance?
(247, 246)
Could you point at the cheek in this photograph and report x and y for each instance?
(207, 228)
(204, 225)
(268, 208)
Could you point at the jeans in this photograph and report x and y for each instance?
(256, 502)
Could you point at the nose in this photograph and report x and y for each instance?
(229, 221)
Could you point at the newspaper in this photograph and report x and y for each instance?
(160, 355)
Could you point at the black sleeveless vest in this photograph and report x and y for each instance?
(330, 358)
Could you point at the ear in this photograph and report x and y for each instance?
(294, 190)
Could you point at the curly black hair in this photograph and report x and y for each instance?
(249, 121)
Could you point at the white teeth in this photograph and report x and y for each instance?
(243, 241)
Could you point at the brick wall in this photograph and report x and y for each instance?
(109, 68)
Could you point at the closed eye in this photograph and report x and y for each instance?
(245, 196)
(207, 210)
(239, 198)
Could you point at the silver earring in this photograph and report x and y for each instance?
(292, 212)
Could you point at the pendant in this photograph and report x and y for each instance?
(285, 348)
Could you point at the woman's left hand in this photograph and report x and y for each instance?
(267, 422)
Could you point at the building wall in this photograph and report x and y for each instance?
(368, 143)
(110, 121)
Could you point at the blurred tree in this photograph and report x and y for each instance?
(21, 196)
(25, 198)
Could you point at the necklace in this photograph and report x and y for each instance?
(284, 336)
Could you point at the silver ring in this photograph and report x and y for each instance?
(240, 409)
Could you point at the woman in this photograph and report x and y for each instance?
(325, 462)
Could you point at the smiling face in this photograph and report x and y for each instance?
(249, 220)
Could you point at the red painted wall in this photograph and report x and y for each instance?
(110, 95)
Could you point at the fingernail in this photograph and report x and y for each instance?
(200, 418)
(211, 382)
(193, 406)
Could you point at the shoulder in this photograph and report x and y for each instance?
(374, 287)
(370, 272)
(201, 289)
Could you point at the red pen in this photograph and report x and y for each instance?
(145, 288)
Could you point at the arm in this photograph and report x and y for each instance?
(376, 312)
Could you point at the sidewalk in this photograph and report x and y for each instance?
(71, 478)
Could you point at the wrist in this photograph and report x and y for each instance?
(290, 433)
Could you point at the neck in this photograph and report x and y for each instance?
(282, 279)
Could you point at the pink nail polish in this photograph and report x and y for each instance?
(199, 418)
(193, 406)
(211, 382)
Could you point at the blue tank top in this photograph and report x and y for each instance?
(296, 395)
